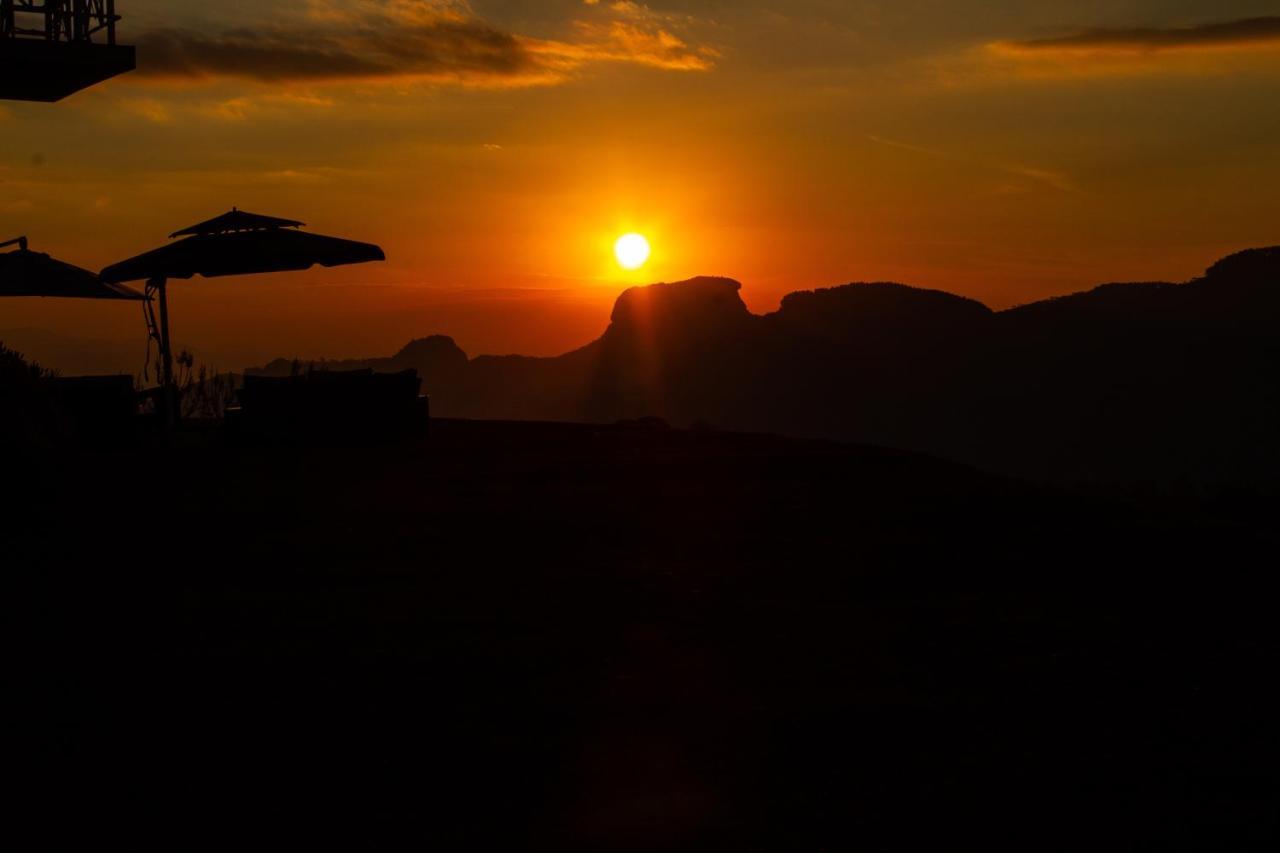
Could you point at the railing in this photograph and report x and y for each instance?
(58, 20)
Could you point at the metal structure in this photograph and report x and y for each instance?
(61, 20)
(54, 48)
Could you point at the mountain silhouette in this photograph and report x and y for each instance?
(72, 354)
(1159, 383)
(436, 356)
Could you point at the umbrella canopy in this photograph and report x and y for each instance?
(237, 220)
(240, 243)
(27, 273)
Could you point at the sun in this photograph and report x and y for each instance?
(632, 251)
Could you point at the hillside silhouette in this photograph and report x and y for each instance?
(1157, 382)
(553, 636)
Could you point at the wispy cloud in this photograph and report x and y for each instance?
(1036, 176)
(146, 108)
(1245, 46)
(1048, 177)
(1250, 32)
(619, 41)
(438, 40)
(906, 146)
(230, 109)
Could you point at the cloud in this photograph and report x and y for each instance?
(439, 49)
(1250, 32)
(146, 108)
(1027, 178)
(437, 40)
(619, 41)
(230, 109)
(1059, 181)
(1249, 46)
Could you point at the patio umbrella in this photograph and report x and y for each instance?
(236, 243)
(27, 273)
(240, 243)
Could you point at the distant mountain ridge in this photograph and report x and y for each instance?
(1142, 383)
(72, 355)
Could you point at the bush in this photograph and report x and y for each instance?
(203, 392)
(27, 411)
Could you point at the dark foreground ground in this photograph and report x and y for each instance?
(555, 637)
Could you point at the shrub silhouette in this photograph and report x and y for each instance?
(203, 392)
(27, 412)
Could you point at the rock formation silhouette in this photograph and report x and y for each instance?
(1160, 383)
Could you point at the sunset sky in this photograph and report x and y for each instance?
(1006, 150)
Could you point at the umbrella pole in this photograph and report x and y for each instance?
(168, 397)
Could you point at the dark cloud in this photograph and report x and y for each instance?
(1226, 34)
(408, 39)
(444, 48)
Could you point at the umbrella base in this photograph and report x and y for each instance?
(46, 71)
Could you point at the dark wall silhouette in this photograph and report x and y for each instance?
(1172, 384)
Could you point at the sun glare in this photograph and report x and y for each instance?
(632, 251)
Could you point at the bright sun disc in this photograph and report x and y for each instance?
(632, 251)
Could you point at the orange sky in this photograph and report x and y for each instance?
(496, 149)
